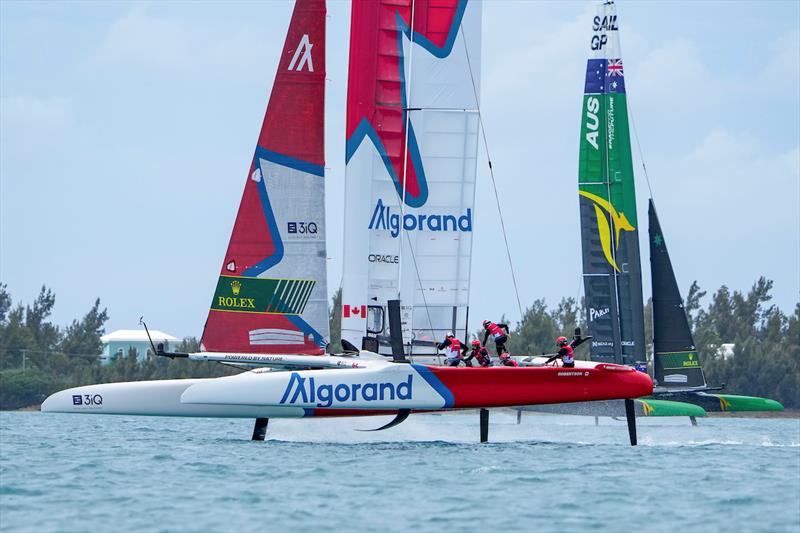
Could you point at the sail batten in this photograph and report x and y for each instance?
(607, 200)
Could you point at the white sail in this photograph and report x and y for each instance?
(412, 134)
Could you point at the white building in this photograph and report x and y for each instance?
(118, 343)
(726, 350)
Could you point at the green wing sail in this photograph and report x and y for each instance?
(609, 226)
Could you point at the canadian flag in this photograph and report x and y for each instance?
(355, 310)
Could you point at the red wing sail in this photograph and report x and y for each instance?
(271, 296)
(411, 155)
(376, 70)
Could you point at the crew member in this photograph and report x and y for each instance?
(453, 348)
(505, 359)
(565, 352)
(479, 353)
(498, 335)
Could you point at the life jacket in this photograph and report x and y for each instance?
(482, 355)
(507, 361)
(568, 357)
(454, 349)
(495, 331)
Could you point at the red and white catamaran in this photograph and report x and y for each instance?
(269, 308)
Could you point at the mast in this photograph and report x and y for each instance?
(271, 294)
(607, 197)
(411, 165)
(405, 293)
(675, 360)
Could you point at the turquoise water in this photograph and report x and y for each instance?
(62, 472)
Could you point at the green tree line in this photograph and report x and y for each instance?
(765, 361)
(766, 357)
(766, 354)
(38, 357)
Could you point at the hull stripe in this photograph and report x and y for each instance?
(438, 386)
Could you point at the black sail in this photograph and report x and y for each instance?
(676, 363)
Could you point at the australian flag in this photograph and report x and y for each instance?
(604, 76)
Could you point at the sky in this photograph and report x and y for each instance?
(127, 130)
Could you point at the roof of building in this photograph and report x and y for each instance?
(136, 335)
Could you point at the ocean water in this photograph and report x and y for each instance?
(62, 472)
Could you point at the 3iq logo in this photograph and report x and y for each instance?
(87, 399)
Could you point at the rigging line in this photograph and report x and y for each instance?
(407, 120)
(635, 131)
(639, 148)
(407, 108)
(422, 291)
(491, 171)
(629, 108)
(445, 109)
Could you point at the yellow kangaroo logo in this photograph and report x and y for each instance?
(724, 403)
(619, 220)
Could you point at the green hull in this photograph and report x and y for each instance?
(616, 408)
(652, 407)
(727, 402)
(732, 402)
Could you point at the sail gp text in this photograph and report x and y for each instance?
(383, 218)
(306, 391)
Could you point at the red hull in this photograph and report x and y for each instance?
(507, 387)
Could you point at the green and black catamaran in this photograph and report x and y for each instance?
(609, 228)
(612, 275)
(677, 371)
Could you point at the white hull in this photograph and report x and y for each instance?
(153, 398)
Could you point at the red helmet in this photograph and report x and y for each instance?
(486, 323)
(561, 341)
(476, 343)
